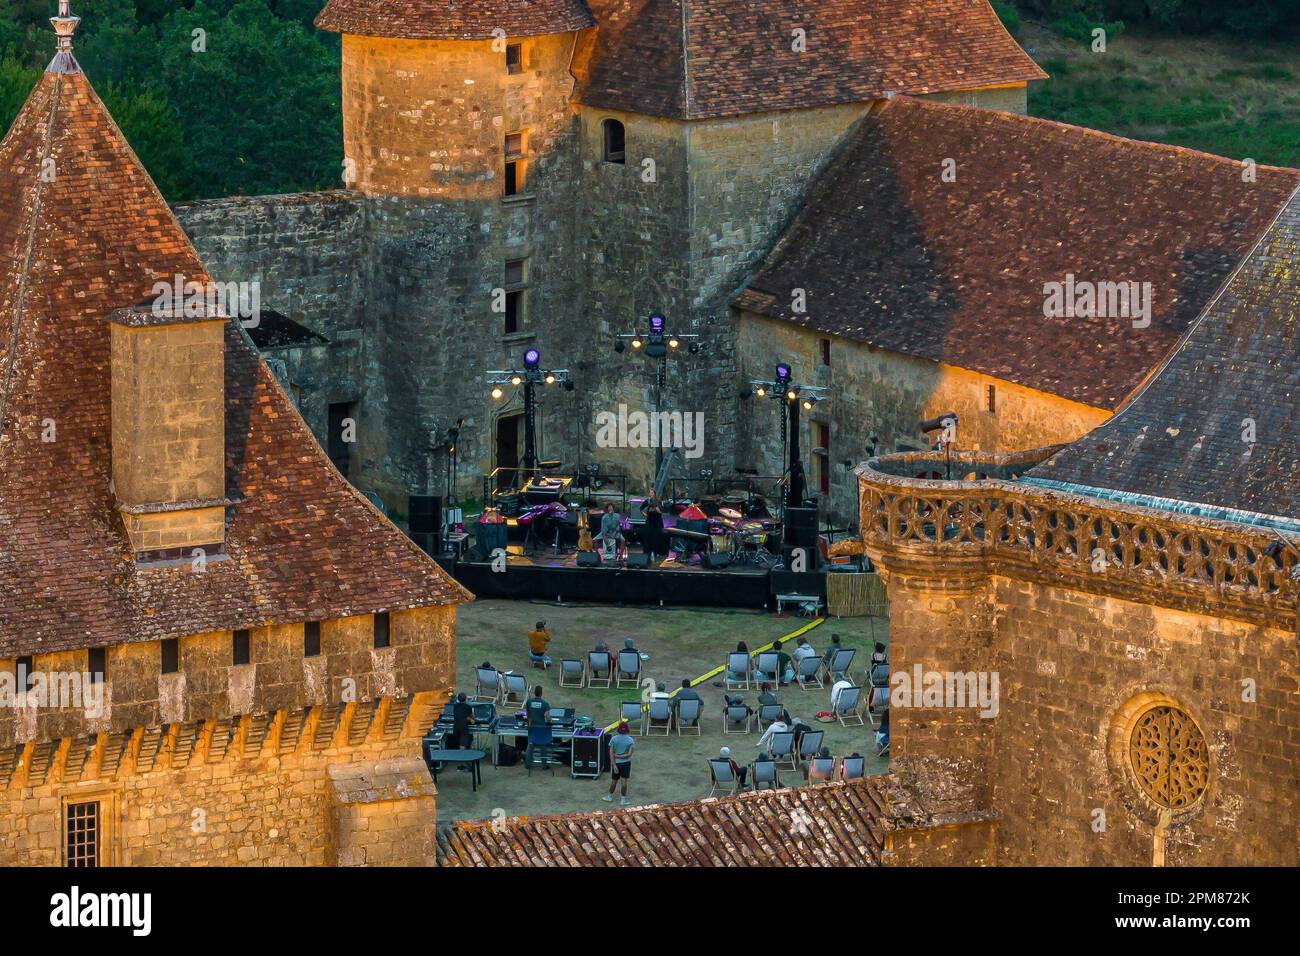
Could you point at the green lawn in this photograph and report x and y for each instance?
(1230, 97)
(681, 642)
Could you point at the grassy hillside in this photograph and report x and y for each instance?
(1233, 97)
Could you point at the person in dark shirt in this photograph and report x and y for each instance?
(539, 725)
(461, 712)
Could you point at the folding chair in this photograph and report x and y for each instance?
(880, 674)
(810, 743)
(765, 774)
(768, 713)
(600, 667)
(658, 715)
(571, 669)
(688, 715)
(489, 684)
(516, 686)
(631, 712)
(736, 714)
(853, 768)
(821, 770)
(877, 705)
(841, 662)
(809, 671)
(766, 667)
(782, 746)
(737, 673)
(629, 669)
(722, 777)
(846, 706)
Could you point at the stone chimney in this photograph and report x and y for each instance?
(169, 428)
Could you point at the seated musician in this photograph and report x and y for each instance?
(611, 533)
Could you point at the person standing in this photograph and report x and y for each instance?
(461, 711)
(539, 726)
(538, 638)
(621, 748)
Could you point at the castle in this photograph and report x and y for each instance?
(213, 650)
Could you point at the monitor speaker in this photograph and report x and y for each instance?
(801, 527)
(641, 560)
(717, 560)
(425, 513)
(588, 559)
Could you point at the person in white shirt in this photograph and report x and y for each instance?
(838, 689)
(777, 726)
(803, 650)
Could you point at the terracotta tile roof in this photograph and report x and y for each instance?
(301, 543)
(452, 19)
(690, 59)
(1182, 436)
(892, 255)
(845, 826)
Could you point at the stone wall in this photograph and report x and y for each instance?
(258, 792)
(285, 760)
(1071, 662)
(883, 395)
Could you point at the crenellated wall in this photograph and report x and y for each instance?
(286, 760)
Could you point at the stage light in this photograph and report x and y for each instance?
(807, 405)
(619, 346)
(761, 392)
(782, 373)
(656, 322)
(792, 394)
(673, 343)
(694, 348)
(516, 380)
(636, 343)
(550, 379)
(531, 358)
(496, 392)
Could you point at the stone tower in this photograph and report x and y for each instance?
(458, 131)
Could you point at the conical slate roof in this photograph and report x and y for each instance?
(84, 231)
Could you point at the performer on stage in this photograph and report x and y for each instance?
(653, 539)
(611, 534)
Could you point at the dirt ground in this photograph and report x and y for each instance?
(682, 643)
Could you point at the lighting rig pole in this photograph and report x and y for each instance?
(795, 397)
(656, 344)
(530, 376)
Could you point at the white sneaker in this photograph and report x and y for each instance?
(608, 798)
(624, 802)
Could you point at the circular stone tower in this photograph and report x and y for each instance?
(453, 98)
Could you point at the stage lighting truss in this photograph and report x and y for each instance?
(531, 374)
(656, 341)
(785, 388)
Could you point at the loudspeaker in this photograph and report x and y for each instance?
(717, 560)
(430, 542)
(641, 560)
(425, 513)
(588, 559)
(800, 527)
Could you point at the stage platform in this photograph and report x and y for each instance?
(558, 577)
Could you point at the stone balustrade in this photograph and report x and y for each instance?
(910, 508)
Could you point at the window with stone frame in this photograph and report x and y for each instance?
(613, 142)
(82, 834)
(516, 163)
(514, 58)
(821, 457)
(516, 289)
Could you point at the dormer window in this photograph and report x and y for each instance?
(615, 141)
